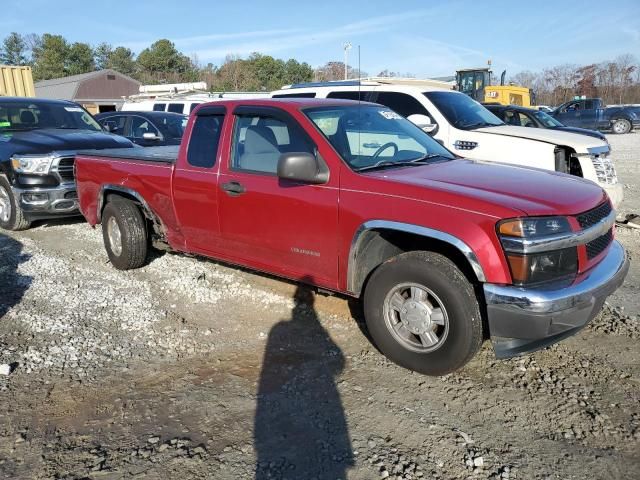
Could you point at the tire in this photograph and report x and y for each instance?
(457, 325)
(621, 126)
(11, 214)
(124, 232)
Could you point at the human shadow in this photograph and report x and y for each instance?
(300, 429)
(12, 284)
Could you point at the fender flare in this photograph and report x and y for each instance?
(426, 232)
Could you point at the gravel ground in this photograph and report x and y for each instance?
(190, 368)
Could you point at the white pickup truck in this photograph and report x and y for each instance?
(467, 128)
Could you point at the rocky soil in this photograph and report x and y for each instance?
(187, 368)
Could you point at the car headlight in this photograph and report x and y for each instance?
(519, 234)
(34, 164)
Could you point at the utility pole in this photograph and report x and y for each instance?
(347, 47)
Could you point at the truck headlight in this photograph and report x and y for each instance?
(34, 164)
(519, 235)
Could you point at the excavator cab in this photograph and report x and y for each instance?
(473, 82)
(476, 82)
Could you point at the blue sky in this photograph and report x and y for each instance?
(426, 38)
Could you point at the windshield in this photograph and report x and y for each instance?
(171, 126)
(375, 137)
(461, 111)
(547, 120)
(30, 115)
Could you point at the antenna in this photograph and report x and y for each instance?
(359, 106)
(359, 75)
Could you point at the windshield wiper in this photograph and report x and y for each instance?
(387, 163)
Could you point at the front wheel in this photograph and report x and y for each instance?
(11, 214)
(124, 232)
(422, 313)
(621, 126)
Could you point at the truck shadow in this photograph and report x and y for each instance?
(300, 429)
(12, 284)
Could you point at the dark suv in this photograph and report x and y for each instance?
(147, 129)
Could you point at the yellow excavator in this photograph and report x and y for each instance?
(476, 82)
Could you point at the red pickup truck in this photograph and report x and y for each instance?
(351, 197)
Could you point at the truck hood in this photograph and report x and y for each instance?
(59, 140)
(581, 143)
(483, 186)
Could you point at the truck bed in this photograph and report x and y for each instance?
(164, 154)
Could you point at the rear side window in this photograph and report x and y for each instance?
(402, 103)
(175, 107)
(295, 95)
(159, 107)
(362, 96)
(205, 137)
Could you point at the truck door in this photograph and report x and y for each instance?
(195, 179)
(588, 118)
(281, 226)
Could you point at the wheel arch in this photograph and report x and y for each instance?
(108, 190)
(382, 239)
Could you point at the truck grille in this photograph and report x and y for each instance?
(605, 171)
(597, 246)
(587, 219)
(65, 169)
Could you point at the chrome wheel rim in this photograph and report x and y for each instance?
(115, 237)
(5, 205)
(620, 127)
(416, 317)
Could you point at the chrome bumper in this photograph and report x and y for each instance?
(522, 319)
(43, 202)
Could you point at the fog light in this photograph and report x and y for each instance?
(35, 197)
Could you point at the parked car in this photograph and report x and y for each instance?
(593, 114)
(353, 198)
(38, 141)
(529, 117)
(146, 129)
(467, 128)
(162, 105)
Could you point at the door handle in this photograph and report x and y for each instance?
(233, 188)
(371, 145)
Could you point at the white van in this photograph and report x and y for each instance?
(467, 128)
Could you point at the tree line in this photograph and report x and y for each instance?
(616, 81)
(52, 56)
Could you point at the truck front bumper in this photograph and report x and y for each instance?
(523, 320)
(40, 203)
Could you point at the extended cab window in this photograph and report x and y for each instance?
(351, 95)
(205, 137)
(402, 103)
(259, 140)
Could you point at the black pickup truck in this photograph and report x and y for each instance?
(591, 113)
(38, 141)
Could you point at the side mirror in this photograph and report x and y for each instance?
(151, 136)
(424, 122)
(302, 167)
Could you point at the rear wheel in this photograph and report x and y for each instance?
(621, 126)
(124, 232)
(423, 314)
(11, 214)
